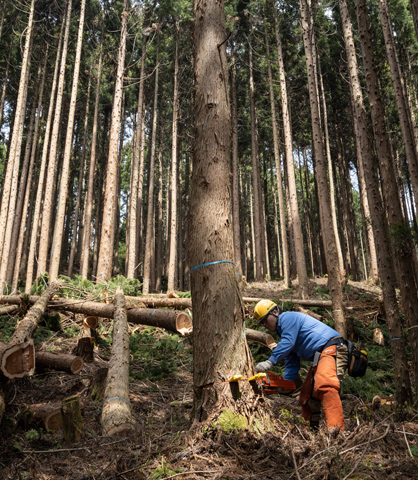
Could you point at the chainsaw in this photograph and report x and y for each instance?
(269, 383)
(272, 383)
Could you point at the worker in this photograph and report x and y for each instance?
(303, 337)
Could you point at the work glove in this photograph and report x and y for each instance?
(264, 366)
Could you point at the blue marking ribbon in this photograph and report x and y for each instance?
(391, 340)
(210, 263)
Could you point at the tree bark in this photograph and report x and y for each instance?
(105, 260)
(48, 196)
(40, 186)
(288, 142)
(403, 248)
(88, 209)
(334, 278)
(172, 283)
(116, 415)
(401, 102)
(258, 219)
(149, 237)
(80, 228)
(378, 220)
(219, 345)
(235, 174)
(65, 169)
(134, 214)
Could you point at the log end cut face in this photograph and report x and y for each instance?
(77, 365)
(184, 324)
(19, 360)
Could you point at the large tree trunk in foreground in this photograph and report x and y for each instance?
(377, 216)
(334, 278)
(116, 415)
(219, 344)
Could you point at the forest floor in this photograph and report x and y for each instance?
(377, 444)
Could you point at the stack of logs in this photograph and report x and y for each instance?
(18, 356)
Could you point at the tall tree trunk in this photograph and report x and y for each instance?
(17, 253)
(172, 284)
(235, 178)
(220, 348)
(285, 249)
(414, 10)
(288, 142)
(139, 267)
(105, 260)
(65, 171)
(258, 221)
(403, 249)
(334, 278)
(80, 187)
(23, 182)
(134, 213)
(8, 199)
(377, 215)
(40, 186)
(50, 181)
(149, 237)
(5, 80)
(88, 209)
(159, 221)
(331, 176)
(401, 102)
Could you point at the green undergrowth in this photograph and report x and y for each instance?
(157, 355)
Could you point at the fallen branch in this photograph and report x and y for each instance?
(8, 310)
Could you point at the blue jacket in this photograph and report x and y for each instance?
(300, 337)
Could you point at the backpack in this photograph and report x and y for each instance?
(357, 361)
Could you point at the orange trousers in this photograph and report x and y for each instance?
(322, 385)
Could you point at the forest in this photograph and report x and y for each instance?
(165, 165)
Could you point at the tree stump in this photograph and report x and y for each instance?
(84, 349)
(116, 415)
(72, 421)
(55, 361)
(97, 385)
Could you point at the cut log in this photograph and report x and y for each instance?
(17, 357)
(85, 349)
(260, 337)
(72, 421)
(8, 310)
(55, 361)
(17, 361)
(306, 311)
(159, 302)
(116, 415)
(298, 301)
(172, 320)
(45, 415)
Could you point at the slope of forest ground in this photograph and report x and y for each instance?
(377, 444)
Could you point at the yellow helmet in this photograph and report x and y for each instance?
(262, 309)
